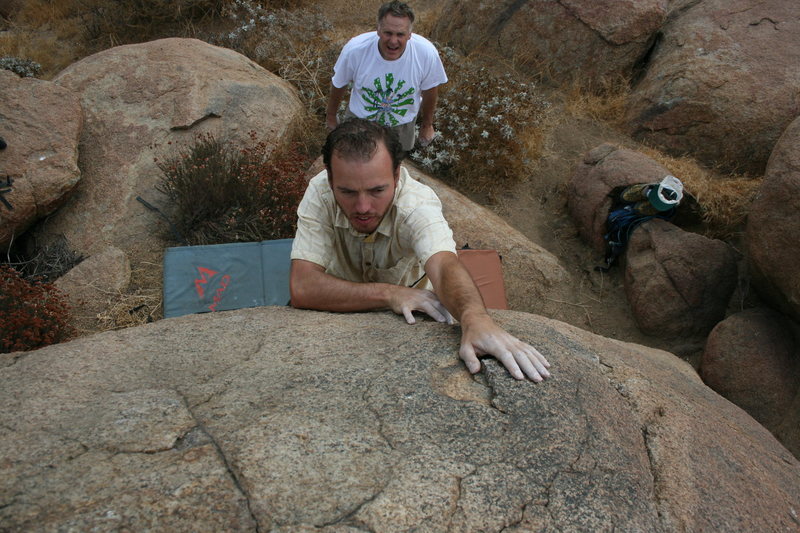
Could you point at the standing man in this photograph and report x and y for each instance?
(395, 76)
(371, 237)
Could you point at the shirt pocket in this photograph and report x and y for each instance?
(400, 274)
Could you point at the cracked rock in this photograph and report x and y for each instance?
(204, 422)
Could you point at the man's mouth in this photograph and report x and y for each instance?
(362, 219)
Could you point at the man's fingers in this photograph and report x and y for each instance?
(510, 362)
(539, 357)
(409, 315)
(529, 367)
(467, 354)
(445, 313)
(434, 312)
(538, 361)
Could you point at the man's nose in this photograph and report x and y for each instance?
(362, 203)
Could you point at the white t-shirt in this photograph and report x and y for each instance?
(388, 92)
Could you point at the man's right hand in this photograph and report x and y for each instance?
(334, 99)
(405, 300)
(331, 122)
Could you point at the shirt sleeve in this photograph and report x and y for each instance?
(343, 70)
(314, 240)
(435, 74)
(428, 233)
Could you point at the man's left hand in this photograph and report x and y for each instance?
(481, 336)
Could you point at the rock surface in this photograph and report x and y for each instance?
(603, 169)
(91, 284)
(585, 38)
(290, 420)
(722, 83)
(773, 225)
(752, 358)
(137, 99)
(41, 124)
(677, 283)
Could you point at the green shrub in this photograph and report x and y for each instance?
(24, 68)
(490, 127)
(222, 194)
(32, 313)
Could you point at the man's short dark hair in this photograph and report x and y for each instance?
(356, 139)
(397, 9)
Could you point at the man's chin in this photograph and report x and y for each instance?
(364, 227)
(391, 55)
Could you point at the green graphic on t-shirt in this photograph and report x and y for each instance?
(387, 103)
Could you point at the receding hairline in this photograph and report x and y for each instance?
(402, 10)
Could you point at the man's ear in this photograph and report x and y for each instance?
(396, 175)
(330, 176)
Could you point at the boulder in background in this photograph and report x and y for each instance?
(722, 82)
(772, 236)
(677, 283)
(752, 358)
(41, 123)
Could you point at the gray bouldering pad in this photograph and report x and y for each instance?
(221, 277)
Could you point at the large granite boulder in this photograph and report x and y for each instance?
(584, 38)
(603, 169)
(144, 101)
(678, 283)
(752, 358)
(773, 225)
(722, 83)
(275, 419)
(41, 124)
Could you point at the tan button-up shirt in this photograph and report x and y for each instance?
(412, 231)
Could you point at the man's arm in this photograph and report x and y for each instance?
(334, 99)
(480, 335)
(312, 288)
(427, 112)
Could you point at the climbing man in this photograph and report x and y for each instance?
(371, 237)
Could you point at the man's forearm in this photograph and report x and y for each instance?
(334, 99)
(428, 107)
(454, 286)
(311, 288)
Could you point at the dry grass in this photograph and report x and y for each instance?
(724, 198)
(55, 34)
(605, 102)
(130, 309)
(142, 303)
(54, 43)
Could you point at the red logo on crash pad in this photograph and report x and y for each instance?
(200, 282)
(204, 278)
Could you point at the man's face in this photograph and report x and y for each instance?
(393, 32)
(364, 190)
